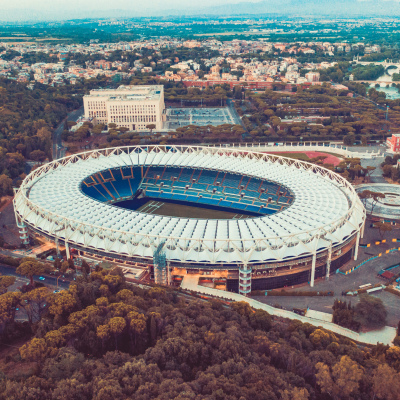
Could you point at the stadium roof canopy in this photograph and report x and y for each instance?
(326, 209)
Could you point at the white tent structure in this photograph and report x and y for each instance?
(326, 211)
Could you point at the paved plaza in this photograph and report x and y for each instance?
(389, 206)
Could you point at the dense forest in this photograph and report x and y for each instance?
(268, 115)
(28, 119)
(105, 339)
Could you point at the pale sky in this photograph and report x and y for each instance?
(24, 10)
(111, 5)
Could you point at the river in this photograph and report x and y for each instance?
(391, 92)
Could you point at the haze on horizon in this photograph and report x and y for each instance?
(155, 5)
(19, 10)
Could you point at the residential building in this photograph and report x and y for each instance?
(394, 142)
(312, 76)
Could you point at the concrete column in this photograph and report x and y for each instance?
(357, 244)
(67, 251)
(328, 262)
(314, 261)
(23, 233)
(57, 247)
(363, 229)
(169, 280)
(245, 279)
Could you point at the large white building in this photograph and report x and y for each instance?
(133, 107)
(307, 222)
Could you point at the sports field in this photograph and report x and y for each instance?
(215, 116)
(186, 211)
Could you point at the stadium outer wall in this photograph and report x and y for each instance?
(240, 278)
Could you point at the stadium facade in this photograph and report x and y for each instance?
(298, 221)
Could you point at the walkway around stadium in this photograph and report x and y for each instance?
(384, 335)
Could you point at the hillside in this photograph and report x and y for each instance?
(106, 340)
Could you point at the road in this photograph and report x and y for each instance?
(49, 280)
(379, 106)
(376, 175)
(339, 283)
(234, 113)
(58, 149)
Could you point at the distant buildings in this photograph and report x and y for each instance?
(133, 107)
(312, 76)
(394, 143)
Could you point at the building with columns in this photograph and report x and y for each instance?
(133, 107)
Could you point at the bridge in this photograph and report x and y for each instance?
(327, 147)
(386, 63)
(388, 82)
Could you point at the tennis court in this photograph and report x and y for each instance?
(177, 117)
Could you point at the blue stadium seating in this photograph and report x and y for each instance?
(96, 192)
(179, 197)
(114, 184)
(199, 186)
(246, 201)
(239, 206)
(229, 190)
(224, 203)
(252, 208)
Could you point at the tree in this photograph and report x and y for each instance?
(5, 185)
(85, 267)
(375, 197)
(137, 324)
(29, 268)
(242, 308)
(8, 307)
(64, 267)
(5, 282)
(57, 263)
(151, 127)
(37, 155)
(386, 383)
(370, 312)
(349, 140)
(35, 350)
(342, 380)
(116, 326)
(364, 140)
(62, 303)
(368, 171)
(383, 228)
(34, 303)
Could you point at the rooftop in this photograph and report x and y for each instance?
(130, 93)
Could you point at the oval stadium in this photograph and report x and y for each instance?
(250, 220)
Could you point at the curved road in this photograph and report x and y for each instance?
(58, 149)
(49, 280)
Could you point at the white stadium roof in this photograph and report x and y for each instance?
(326, 209)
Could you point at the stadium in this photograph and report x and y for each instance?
(250, 220)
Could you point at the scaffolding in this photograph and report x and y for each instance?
(160, 265)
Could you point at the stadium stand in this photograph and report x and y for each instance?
(208, 187)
